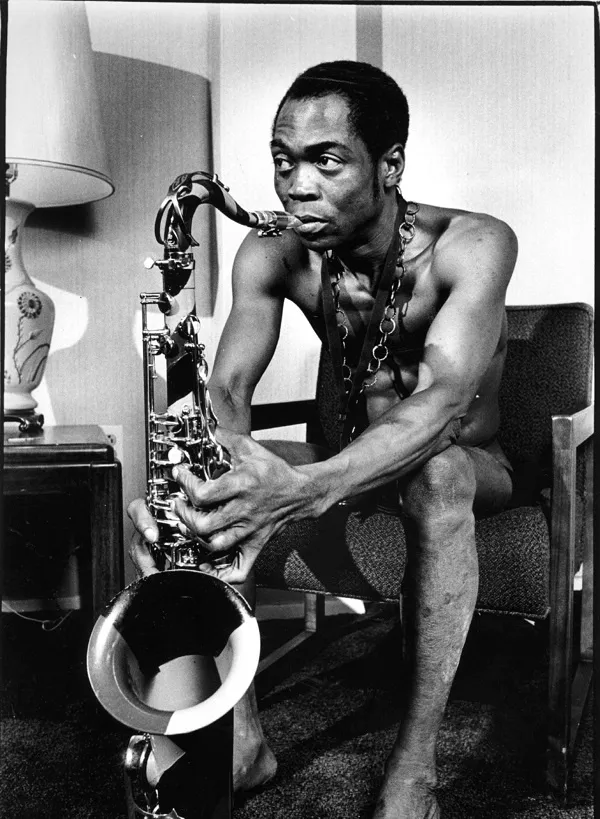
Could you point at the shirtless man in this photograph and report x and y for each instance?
(338, 151)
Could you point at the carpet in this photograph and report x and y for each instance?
(331, 723)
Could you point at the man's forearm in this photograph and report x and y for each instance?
(232, 410)
(400, 441)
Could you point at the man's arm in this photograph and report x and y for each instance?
(251, 332)
(474, 265)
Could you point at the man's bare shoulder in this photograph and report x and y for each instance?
(469, 244)
(269, 260)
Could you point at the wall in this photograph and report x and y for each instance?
(502, 103)
(502, 106)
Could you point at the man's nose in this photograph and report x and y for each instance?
(303, 184)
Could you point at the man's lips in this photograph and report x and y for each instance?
(308, 217)
(309, 225)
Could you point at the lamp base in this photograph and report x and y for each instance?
(29, 320)
(28, 420)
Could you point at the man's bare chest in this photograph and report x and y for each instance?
(417, 301)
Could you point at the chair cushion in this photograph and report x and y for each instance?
(348, 555)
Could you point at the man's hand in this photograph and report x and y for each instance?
(245, 507)
(146, 531)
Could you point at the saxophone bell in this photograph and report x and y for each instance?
(161, 621)
(169, 658)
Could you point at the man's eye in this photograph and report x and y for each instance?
(282, 163)
(328, 162)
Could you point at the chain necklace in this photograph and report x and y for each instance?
(388, 322)
(383, 320)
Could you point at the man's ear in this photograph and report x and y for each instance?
(393, 165)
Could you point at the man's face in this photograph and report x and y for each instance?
(324, 174)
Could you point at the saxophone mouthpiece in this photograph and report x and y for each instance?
(293, 221)
(272, 222)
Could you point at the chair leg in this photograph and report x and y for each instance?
(567, 696)
(587, 586)
(314, 626)
(582, 682)
(559, 702)
(314, 612)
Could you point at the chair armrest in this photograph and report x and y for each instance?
(570, 431)
(283, 414)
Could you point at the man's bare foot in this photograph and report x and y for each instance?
(254, 763)
(407, 794)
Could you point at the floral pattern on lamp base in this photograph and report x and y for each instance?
(29, 320)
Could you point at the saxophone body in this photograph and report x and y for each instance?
(175, 651)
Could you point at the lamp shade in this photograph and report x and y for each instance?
(53, 130)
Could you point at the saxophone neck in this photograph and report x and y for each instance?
(173, 227)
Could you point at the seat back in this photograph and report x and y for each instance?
(548, 371)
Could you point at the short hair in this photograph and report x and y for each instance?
(378, 109)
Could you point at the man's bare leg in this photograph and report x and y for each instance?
(254, 763)
(439, 596)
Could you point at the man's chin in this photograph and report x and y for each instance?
(319, 243)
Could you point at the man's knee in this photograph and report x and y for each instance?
(442, 488)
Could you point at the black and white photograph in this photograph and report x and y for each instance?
(298, 408)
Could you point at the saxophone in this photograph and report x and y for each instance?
(187, 436)
(173, 652)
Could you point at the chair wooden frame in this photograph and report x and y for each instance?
(567, 694)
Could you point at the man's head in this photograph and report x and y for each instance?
(338, 151)
(378, 110)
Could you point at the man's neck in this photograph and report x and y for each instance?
(367, 256)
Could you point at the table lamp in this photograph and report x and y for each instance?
(54, 157)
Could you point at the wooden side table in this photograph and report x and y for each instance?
(75, 467)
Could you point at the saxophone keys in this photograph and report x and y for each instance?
(176, 455)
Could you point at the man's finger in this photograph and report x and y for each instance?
(235, 573)
(141, 557)
(204, 493)
(199, 522)
(143, 520)
(227, 539)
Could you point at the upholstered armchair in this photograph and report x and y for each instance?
(528, 554)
